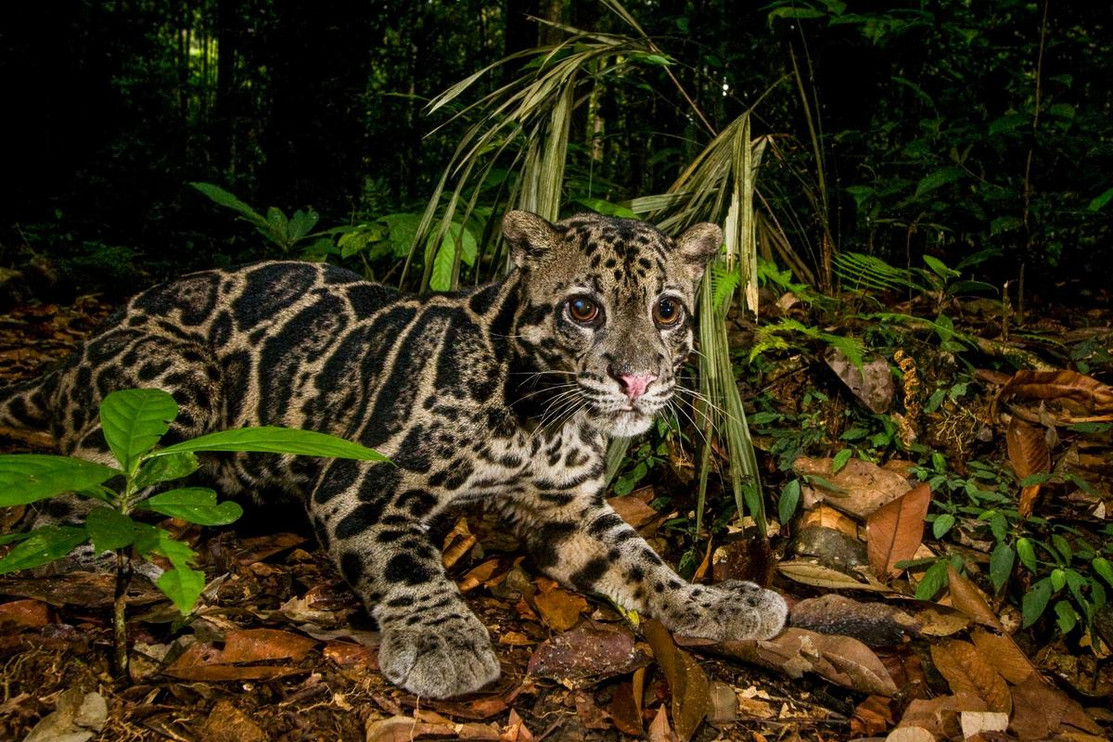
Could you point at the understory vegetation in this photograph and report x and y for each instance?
(909, 308)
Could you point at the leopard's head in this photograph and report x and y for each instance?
(606, 317)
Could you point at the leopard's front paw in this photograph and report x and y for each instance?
(729, 611)
(448, 659)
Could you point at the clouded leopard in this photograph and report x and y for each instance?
(503, 396)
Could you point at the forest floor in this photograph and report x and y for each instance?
(279, 648)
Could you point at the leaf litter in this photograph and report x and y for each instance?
(281, 649)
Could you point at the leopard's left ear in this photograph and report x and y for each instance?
(529, 235)
(698, 245)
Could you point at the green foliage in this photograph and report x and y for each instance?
(284, 232)
(133, 421)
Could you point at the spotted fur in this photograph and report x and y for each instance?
(504, 396)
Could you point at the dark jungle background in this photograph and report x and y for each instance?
(978, 132)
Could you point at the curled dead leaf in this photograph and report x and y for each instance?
(559, 609)
(241, 656)
(691, 694)
(816, 575)
(966, 597)
(1085, 394)
(842, 660)
(858, 488)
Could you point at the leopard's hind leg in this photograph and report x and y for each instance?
(125, 359)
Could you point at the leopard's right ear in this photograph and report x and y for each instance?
(530, 237)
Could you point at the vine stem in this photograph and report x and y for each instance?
(119, 612)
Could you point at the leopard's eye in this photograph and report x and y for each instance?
(583, 310)
(667, 312)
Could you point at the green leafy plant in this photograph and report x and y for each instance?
(133, 421)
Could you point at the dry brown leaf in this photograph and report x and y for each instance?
(404, 729)
(23, 614)
(816, 575)
(229, 724)
(632, 510)
(203, 661)
(966, 597)
(457, 543)
(1005, 656)
(825, 516)
(591, 716)
(978, 722)
(724, 704)
(859, 488)
(691, 696)
(871, 382)
(559, 609)
(895, 530)
(967, 671)
(940, 715)
(590, 652)
(478, 575)
(659, 729)
(910, 734)
(626, 710)
(941, 620)
(1043, 711)
(1028, 497)
(872, 716)
(1028, 451)
(1087, 394)
(516, 730)
(840, 659)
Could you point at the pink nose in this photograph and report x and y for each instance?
(635, 384)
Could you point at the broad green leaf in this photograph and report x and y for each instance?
(939, 267)
(402, 231)
(1027, 553)
(28, 477)
(278, 226)
(1102, 566)
(606, 208)
(999, 526)
(942, 524)
(1035, 602)
(43, 546)
(790, 499)
(840, 460)
(153, 540)
(109, 529)
(939, 178)
(1058, 579)
(165, 468)
(301, 223)
(1062, 546)
(1066, 616)
(226, 199)
(275, 440)
(458, 237)
(133, 420)
(933, 581)
(1001, 563)
(183, 586)
(195, 505)
(1099, 201)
